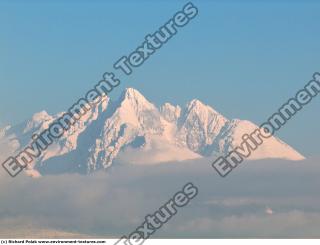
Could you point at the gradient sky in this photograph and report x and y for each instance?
(244, 58)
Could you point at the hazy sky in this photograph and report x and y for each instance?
(244, 58)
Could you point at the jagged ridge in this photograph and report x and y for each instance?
(134, 130)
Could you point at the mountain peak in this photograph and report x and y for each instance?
(133, 97)
(132, 93)
(170, 112)
(195, 102)
(38, 119)
(41, 116)
(168, 106)
(196, 106)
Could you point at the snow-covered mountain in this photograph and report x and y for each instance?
(134, 130)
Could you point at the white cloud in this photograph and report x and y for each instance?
(113, 203)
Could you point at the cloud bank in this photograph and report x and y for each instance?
(113, 203)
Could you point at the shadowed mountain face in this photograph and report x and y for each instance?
(134, 130)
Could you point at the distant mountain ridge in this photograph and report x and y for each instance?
(134, 130)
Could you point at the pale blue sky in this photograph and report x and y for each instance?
(244, 58)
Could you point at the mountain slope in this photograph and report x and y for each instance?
(134, 130)
(231, 136)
